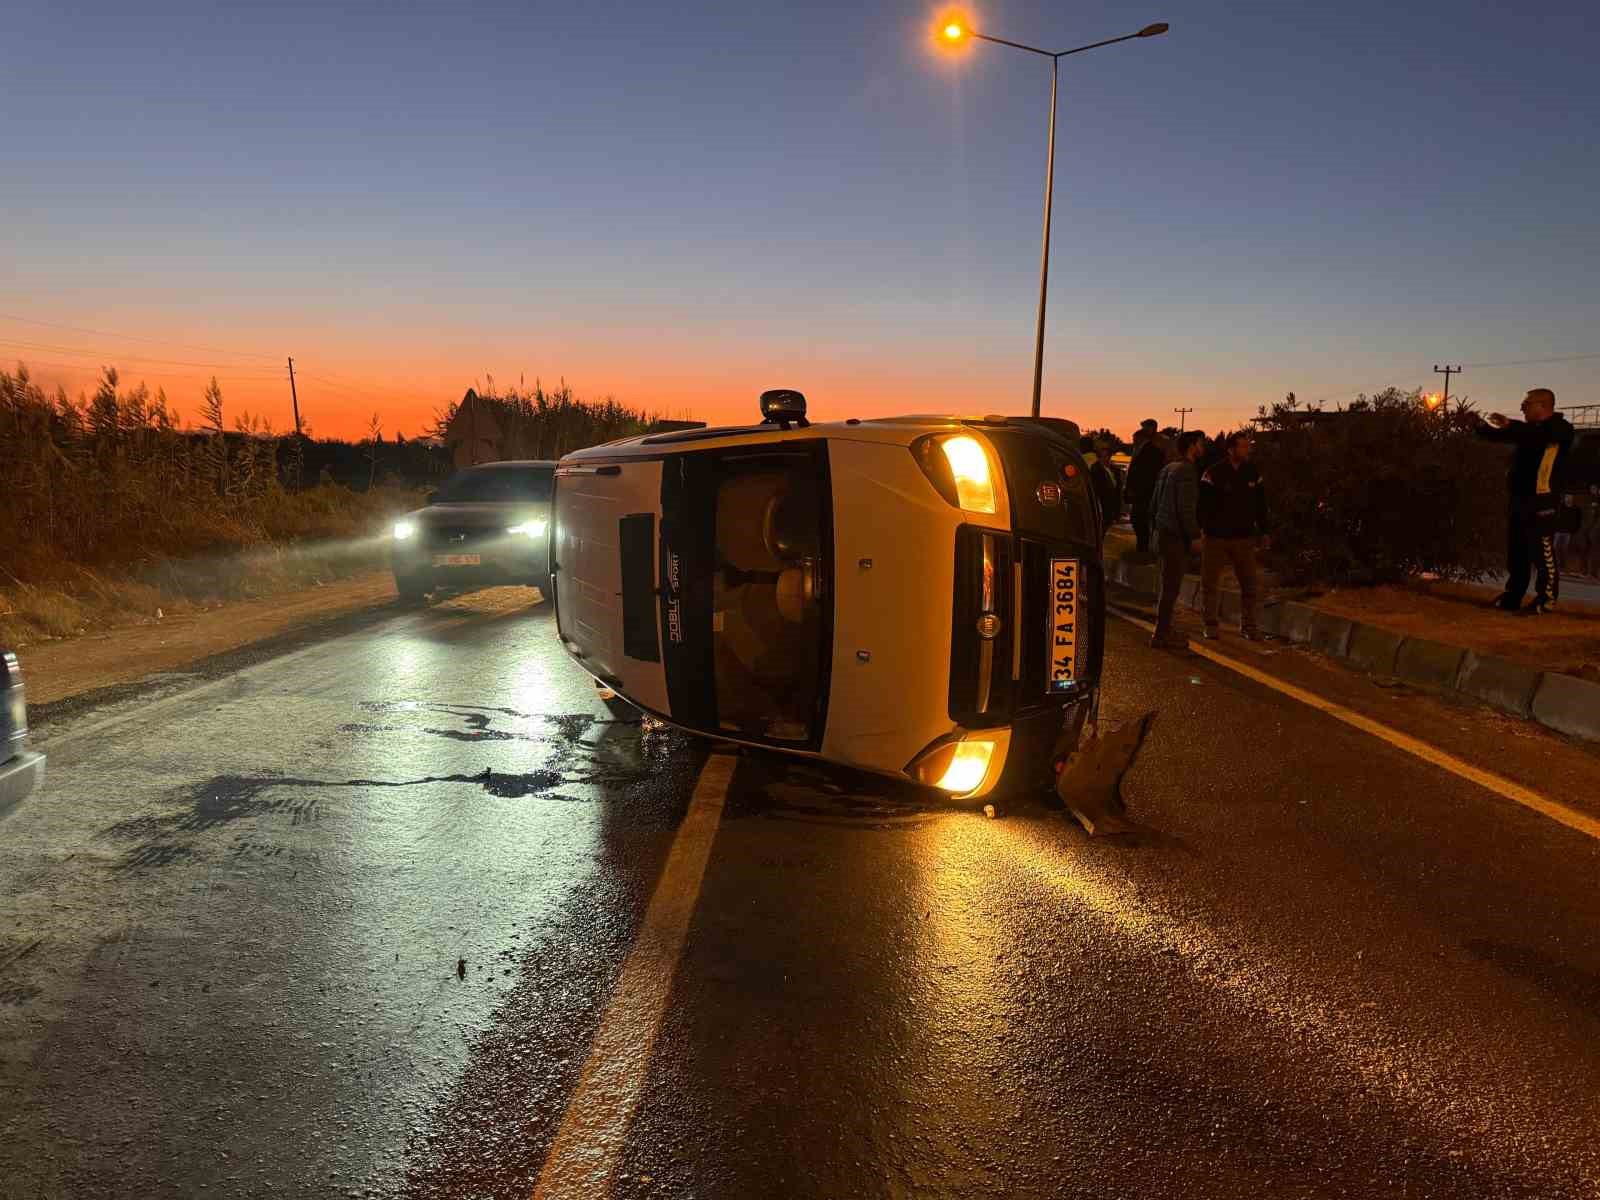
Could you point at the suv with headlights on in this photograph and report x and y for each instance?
(21, 770)
(917, 596)
(486, 525)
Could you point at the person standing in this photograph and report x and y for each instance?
(1541, 441)
(1175, 524)
(1102, 481)
(1149, 457)
(1233, 516)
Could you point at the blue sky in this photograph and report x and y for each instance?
(684, 204)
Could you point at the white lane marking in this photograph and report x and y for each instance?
(1498, 784)
(588, 1147)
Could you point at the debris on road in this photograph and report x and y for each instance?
(461, 968)
(1089, 782)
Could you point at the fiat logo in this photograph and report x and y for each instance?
(988, 626)
(1048, 494)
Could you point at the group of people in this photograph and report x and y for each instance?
(1183, 491)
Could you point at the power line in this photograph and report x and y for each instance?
(95, 369)
(103, 354)
(1528, 362)
(134, 337)
(360, 393)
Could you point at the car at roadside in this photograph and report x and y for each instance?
(485, 526)
(917, 596)
(21, 769)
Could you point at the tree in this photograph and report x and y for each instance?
(374, 439)
(216, 445)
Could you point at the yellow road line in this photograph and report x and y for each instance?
(588, 1147)
(1498, 784)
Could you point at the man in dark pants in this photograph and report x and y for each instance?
(1233, 515)
(1103, 482)
(1149, 456)
(1175, 522)
(1541, 441)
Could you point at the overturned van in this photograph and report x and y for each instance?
(917, 596)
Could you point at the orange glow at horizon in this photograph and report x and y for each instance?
(339, 401)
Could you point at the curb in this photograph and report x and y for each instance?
(1561, 702)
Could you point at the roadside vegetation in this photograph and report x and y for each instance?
(540, 424)
(1380, 490)
(117, 510)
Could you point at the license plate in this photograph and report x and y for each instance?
(1063, 633)
(457, 560)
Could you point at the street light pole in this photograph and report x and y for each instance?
(1044, 251)
(955, 31)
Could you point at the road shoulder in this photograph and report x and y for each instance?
(74, 667)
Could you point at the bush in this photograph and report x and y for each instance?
(1380, 490)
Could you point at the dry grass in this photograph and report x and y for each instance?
(114, 514)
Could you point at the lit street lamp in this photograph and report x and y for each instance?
(955, 31)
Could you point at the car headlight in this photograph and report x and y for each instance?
(959, 468)
(955, 767)
(403, 530)
(532, 529)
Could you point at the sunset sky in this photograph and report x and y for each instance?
(683, 204)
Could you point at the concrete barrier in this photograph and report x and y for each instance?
(1373, 649)
(1507, 686)
(1432, 664)
(1295, 621)
(1568, 704)
(1330, 634)
(1272, 618)
(1561, 702)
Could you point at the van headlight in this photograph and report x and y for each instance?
(955, 767)
(403, 530)
(531, 529)
(960, 469)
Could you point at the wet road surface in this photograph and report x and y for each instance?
(382, 913)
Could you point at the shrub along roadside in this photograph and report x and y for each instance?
(1380, 490)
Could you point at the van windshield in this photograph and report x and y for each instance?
(747, 607)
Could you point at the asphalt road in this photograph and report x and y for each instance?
(381, 913)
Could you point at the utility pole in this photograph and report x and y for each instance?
(1183, 417)
(293, 396)
(1447, 370)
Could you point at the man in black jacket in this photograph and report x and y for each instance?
(1541, 440)
(1105, 485)
(1233, 515)
(1149, 456)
